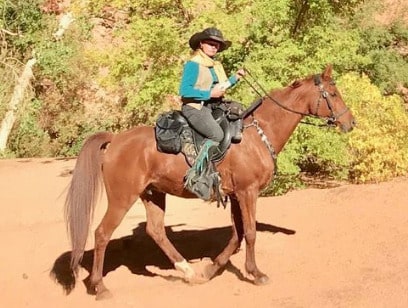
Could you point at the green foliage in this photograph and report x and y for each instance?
(130, 72)
(308, 14)
(261, 38)
(7, 79)
(321, 150)
(54, 61)
(384, 45)
(336, 45)
(281, 184)
(28, 139)
(311, 150)
(25, 19)
(399, 30)
(147, 76)
(388, 70)
(378, 148)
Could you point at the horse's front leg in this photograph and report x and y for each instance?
(247, 202)
(233, 245)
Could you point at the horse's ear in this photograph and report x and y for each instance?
(327, 74)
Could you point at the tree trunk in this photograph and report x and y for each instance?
(16, 99)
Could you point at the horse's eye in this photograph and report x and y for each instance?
(333, 94)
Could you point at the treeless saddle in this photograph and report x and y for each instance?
(175, 135)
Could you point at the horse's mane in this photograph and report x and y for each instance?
(294, 85)
(288, 90)
(301, 82)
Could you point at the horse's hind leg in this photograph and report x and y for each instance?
(113, 217)
(155, 203)
(234, 243)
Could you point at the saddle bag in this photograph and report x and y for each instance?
(167, 130)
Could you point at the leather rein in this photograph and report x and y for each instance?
(324, 95)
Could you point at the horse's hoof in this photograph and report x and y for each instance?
(261, 280)
(103, 295)
(209, 271)
(197, 279)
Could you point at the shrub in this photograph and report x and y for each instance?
(28, 139)
(386, 47)
(378, 147)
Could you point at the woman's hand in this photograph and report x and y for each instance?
(240, 73)
(217, 91)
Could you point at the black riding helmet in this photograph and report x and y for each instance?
(212, 34)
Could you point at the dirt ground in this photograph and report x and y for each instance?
(339, 247)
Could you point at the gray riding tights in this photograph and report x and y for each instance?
(203, 121)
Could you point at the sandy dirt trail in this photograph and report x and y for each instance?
(339, 247)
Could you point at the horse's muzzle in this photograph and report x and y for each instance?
(348, 126)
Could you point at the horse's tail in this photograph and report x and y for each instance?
(83, 192)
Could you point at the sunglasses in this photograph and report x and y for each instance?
(212, 44)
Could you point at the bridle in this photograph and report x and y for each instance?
(324, 95)
(333, 118)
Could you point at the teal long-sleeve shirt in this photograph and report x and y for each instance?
(189, 79)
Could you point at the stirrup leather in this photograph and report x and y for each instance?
(199, 178)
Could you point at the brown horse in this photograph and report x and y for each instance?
(132, 168)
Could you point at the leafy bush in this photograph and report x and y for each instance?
(388, 70)
(378, 148)
(312, 150)
(375, 151)
(28, 139)
(384, 45)
(8, 76)
(81, 88)
(25, 19)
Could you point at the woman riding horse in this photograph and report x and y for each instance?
(130, 167)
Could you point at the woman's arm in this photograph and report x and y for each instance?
(188, 80)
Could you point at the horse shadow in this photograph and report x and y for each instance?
(138, 251)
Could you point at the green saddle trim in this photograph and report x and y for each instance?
(200, 165)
